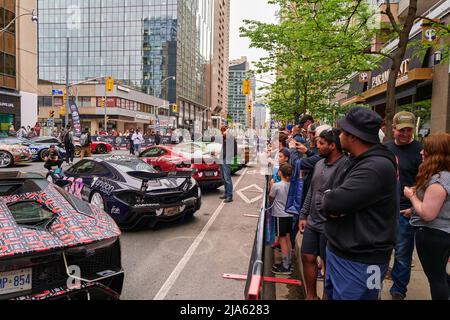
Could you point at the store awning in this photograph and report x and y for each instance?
(418, 74)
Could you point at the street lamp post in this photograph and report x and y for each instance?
(33, 15)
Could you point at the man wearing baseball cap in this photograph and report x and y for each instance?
(361, 210)
(407, 151)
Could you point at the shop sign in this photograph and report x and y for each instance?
(7, 104)
(384, 77)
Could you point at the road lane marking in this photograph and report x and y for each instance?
(247, 200)
(167, 286)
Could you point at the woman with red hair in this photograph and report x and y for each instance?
(431, 201)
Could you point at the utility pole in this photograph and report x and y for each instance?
(67, 84)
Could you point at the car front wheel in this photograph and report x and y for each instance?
(97, 200)
(77, 151)
(101, 149)
(6, 159)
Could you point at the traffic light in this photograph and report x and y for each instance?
(62, 111)
(52, 114)
(102, 103)
(250, 108)
(246, 87)
(174, 108)
(110, 84)
(64, 97)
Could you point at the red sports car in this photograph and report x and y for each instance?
(165, 159)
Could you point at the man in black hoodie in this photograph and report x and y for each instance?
(362, 211)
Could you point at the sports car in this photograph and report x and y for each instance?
(97, 147)
(12, 153)
(133, 192)
(167, 159)
(39, 151)
(53, 245)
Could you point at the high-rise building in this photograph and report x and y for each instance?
(219, 93)
(163, 48)
(237, 101)
(18, 64)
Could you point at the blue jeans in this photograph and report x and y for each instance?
(404, 248)
(137, 148)
(349, 280)
(226, 176)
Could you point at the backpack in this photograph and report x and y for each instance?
(295, 196)
(84, 140)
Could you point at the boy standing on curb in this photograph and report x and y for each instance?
(283, 221)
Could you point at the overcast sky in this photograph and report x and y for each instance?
(251, 10)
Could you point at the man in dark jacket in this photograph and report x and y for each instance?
(362, 211)
(229, 151)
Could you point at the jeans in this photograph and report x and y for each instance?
(404, 249)
(69, 155)
(137, 148)
(349, 280)
(228, 183)
(433, 247)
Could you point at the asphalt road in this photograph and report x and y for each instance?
(187, 260)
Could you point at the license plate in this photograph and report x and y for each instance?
(171, 211)
(210, 173)
(15, 281)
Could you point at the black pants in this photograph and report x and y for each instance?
(70, 153)
(433, 247)
(131, 148)
(49, 164)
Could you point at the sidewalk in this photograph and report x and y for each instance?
(418, 288)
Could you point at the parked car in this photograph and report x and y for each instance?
(133, 192)
(39, 151)
(166, 159)
(97, 147)
(13, 152)
(46, 234)
(215, 149)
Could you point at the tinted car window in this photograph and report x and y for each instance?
(83, 167)
(29, 212)
(99, 170)
(151, 153)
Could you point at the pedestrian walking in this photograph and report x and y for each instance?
(69, 145)
(137, 139)
(86, 142)
(283, 221)
(22, 133)
(312, 220)
(430, 198)
(157, 138)
(362, 210)
(130, 141)
(407, 151)
(37, 129)
(229, 150)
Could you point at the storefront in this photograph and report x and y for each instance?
(9, 112)
(415, 91)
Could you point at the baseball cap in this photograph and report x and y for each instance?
(404, 119)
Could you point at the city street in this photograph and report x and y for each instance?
(187, 260)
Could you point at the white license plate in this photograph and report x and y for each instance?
(171, 211)
(210, 173)
(15, 281)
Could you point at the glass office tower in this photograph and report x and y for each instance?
(139, 42)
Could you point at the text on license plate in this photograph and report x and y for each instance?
(210, 173)
(15, 281)
(171, 211)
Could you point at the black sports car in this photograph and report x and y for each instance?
(133, 192)
(53, 245)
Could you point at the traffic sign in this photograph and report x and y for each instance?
(56, 92)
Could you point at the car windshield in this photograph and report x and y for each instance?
(132, 164)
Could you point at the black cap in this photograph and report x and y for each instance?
(363, 123)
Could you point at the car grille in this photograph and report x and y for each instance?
(53, 275)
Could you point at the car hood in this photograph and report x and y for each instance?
(70, 228)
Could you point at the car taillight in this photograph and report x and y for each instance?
(130, 198)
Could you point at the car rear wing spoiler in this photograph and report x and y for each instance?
(148, 176)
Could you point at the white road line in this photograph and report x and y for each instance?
(162, 293)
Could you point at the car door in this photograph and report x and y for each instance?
(152, 155)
